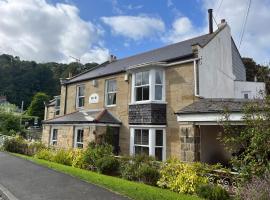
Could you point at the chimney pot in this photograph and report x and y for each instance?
(223, 21)
(210, 19)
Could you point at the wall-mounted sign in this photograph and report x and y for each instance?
(93, 98)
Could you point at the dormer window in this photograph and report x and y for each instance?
(80, 96)
(57, 105)
(148, 86)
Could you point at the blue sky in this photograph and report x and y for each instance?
(91, 30)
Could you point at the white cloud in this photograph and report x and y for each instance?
(182, 29)
(135, 27)
(37, 30)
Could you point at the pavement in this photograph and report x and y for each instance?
(25, 180)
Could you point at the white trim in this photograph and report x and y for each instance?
(77, 96)
(147, 126)
(51, 136)
(182, 62)
(75, 136)
(85, 125)
(208, 117)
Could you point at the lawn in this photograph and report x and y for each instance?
(130, 189)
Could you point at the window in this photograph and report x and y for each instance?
(246, 96)
(57, 105)
(110, 98)
(79, 138)
(142, 86)
(148, 86)
(141, 141)
(149, 141)
(54, 136)
(80, 96)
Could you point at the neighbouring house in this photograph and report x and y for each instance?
(165, 102)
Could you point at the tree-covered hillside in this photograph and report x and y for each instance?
(21, 80)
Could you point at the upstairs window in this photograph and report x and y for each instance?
(54, 136)
(142, 86)
(111, 88)
(148, 86)
(57, 105)
(80, 96)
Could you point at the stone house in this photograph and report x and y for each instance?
(150, 100)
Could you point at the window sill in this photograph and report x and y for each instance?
(110, 106)
(148, 102)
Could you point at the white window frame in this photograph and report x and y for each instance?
(78, 97)
(152, 84)
(52, 141)
(112, 92)
(75, 137)
(57, 108)
(152, 140)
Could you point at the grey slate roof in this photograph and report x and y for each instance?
(84, 117)
(170, 52)
(215, 106)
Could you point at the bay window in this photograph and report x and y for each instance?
(148, 86)
(111, 88)
(80, 96)
(148, 141)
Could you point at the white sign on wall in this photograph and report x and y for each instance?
(93, 98)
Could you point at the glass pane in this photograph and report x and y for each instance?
(138, 79)
(137, 136)
(145, 137)
(111, 87)
(158, 153)
(138, 94)
(145, 151)
(138, 150)
(159, 77)
(79, 145)
(54, 137)
(81, 91)
(57, 102)
(80, 136)
(81, 102)
(111, 99)
(54, 143)
(145, 93)
(159, 138)
(57, 112)
(158, 92)
(145, 78)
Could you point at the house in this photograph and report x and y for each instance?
(151, 100)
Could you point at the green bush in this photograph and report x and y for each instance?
(78, 158)
(182, 177)
(15, 145)
(140, 168)
(63, 156)
(108, 165)
(94, 152)
(33, 148)
(212, 192)
(45, 154)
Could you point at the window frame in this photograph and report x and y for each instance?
(152, 86)
(78, 97)
(53, 141)
(76, 137)
(107, 92)
(141, 136)
(57, 107)
(151, 140)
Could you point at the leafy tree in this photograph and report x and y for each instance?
(9, 123)
(36, 107)
(250, 144)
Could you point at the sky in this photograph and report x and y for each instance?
(91, 30)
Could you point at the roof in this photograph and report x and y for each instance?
(216, 106)
(174, 51)
(84, 117)
(51, 102)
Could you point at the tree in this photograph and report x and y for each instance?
(250, 144)
(36, 107)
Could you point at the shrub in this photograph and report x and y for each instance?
(182, 177)
(108, 165)
(95, 152)
(257, 189)
(45, 154)
(63, 156)
(33, 148)
(78, 158)
(212, 192)
(140, 168)
(15, 145)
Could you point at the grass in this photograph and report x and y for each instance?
(130, 189)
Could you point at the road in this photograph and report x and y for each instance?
(28, 181)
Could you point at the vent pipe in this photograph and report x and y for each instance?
(210, 19)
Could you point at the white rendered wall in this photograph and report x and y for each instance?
(255, 90)
(216, 78)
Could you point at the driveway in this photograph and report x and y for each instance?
(28, 181)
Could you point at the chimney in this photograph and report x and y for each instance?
(210, 19)
(112, 58)
(222, 23)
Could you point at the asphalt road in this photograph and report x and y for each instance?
(28, 181)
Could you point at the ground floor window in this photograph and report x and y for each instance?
(79, 133)
(149, 141)
(54, 136)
